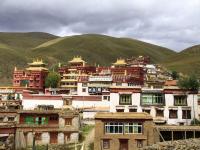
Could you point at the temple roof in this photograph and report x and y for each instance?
(37, 62)
(120, 62)
(37, 65)
(77, 59)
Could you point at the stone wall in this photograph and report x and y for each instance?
(189, 144)
(8, 144)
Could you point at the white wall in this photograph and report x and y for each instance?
(87, 104)
(79, 90)
(31, 104)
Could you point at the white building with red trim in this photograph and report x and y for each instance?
(170, 105)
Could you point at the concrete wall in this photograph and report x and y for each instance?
(76, 122)
(31, 104)
(29, 138)
(84, 104)
(61, 138)
(45, 136)
(74, 137)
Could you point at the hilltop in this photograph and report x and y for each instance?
(186, 61)
(99, 49)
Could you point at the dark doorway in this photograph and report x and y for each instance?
(53, 137)
(123, 144)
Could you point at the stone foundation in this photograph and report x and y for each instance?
(189, 144)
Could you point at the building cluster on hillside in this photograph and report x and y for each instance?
(129, 102)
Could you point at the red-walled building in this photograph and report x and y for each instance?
(33, 77)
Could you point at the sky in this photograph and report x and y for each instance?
(174, 24)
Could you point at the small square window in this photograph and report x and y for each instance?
(84, 84)
(11, 118)
(83, 89)
(68, 121)
(173, 114)
(106, 144)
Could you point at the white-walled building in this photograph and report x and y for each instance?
(32, 101)
(168, 105)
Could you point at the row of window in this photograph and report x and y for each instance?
(186, 114)
(45, 120)
(9, 119)
(153, 99)
(123, 128)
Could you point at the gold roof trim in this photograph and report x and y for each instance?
(77, 59)
(120, 61)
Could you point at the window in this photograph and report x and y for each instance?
(41, 120)
(159, 113)
(83, 89)
(139, 143)
(84, 84)
(132, 128)
(146, 110)
(1, 119)
(53, 118)
(106, 144)
(68, 121)
(198, 99)
(123, 128)
(29, 120)
(153, 99)
(120, 110)
(133, 110)
(38, 136)
(118, 84)
(131, 84)
(180, 100)
(106, 98)
(173, 114)
(114, 127)
(125, 99)
(186, 114)
(11, 118)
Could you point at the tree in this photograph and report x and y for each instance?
(174, 75)
(189, 83)
(52, 80)
(192, 84)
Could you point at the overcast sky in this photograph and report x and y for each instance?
(171, 23)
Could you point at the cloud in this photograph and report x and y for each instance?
(173, 24)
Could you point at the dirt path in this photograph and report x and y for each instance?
(89, 139)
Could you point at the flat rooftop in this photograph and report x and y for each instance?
(123, 115)
(178, 128)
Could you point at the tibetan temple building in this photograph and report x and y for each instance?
(32, 77)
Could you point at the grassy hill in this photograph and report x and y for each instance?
(16, 49)
(187, 61)
(99, 49)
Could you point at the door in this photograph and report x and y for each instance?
(123, 144)
(53, 137)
